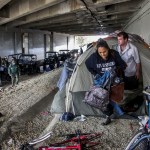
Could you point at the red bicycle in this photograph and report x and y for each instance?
(77, 141)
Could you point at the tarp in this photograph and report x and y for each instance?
(81, 80)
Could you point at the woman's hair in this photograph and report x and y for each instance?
(102, 43)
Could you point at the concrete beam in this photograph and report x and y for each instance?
(108, 2)
(4, 2)
(90, 5)
(125, 7)
(59, 25)
(89, 31)
(58, 22)
(82, 28)
(4, 13)
(5, 29)
(55, 10)
(58, 19)
(22, 8)
(62, 8)
(74, 23)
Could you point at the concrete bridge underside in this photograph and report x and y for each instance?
(68, 16)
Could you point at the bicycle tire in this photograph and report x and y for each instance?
(141, 145)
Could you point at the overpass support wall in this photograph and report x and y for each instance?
(12, 42)
(60, 41)
(140, 22)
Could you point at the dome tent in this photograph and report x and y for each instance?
(81, 80)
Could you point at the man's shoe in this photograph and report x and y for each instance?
(108, 121)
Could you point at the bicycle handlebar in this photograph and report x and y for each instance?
(49, 133)
(41, 139)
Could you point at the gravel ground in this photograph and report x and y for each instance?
(15, 102)
(114, 136)
(31, 131)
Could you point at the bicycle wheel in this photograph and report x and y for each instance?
(134, 144)
(142, 143)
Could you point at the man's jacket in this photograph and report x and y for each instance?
(13, 69)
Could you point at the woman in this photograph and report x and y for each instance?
(105, 59)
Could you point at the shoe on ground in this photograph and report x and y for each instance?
(126, 116)
(114, 116)
(108, 121)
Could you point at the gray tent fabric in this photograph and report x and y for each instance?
(81, 80)
(58, 104)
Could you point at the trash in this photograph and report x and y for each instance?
(45, 113)
(80, 118)
(10, 142)
(67, 116)
(1, 89)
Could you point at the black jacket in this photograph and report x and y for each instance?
(96, 65)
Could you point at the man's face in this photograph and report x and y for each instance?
(122, 41)
(13, 61)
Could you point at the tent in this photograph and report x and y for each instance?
(81, 80)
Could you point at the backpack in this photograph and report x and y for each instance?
(97, 97)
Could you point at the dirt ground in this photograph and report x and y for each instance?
(114, 136)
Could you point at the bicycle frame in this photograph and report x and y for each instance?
(148, 105)
(78, 141)
(143, 134)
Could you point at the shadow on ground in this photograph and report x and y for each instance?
(18, 123)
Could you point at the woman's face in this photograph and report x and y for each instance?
(103, 52)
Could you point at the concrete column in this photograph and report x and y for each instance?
(45, 45)
(51, 41)
(14, 41)
(26, 43)
(67, 41)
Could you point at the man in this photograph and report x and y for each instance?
(71, 62)
(13, 71)
(130, 55)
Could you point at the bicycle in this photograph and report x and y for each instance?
(77, 141)
(141, 140)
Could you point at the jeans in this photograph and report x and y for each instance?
(117, 108)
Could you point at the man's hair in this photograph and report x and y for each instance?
(124, 34)
(102, 43)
